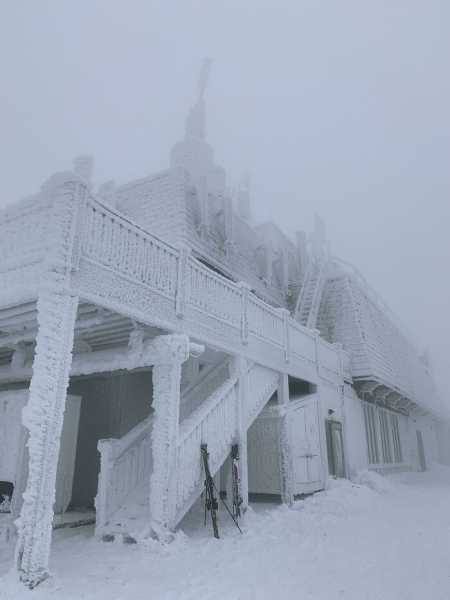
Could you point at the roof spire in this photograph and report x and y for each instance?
(195, 122)
(204, 78)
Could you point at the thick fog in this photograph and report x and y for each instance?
(338, 107)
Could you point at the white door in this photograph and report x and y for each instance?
(67, 454)
(14, 454)
(11, 440)
(307, 448)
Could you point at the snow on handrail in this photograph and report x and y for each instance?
(189, 425)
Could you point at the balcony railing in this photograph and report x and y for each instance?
(111, 240)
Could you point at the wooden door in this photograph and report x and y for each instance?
(335, 448)
(307, 449)
(66, 462)
(11, 405)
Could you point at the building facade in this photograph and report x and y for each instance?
(141, 321)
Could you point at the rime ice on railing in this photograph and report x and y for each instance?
(124, 466)
(112, 241)
(216, 421)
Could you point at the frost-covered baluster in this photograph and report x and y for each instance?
(245, 291)
(43, 415)
(284, 314)
(182, 291)
(285, 445)
(104, 484)
(172, 351)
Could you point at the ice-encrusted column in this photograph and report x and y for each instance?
(171, 352)
(43, 415)
(241, 366)
(285, 443)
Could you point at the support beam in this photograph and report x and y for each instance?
(43, 417)
(241, 366)
(171, 352)
(100, 361)
(285, 443)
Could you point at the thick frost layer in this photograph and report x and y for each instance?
(43, 415)
(346, 543)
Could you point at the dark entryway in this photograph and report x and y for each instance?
(421, 451)
(335, 448)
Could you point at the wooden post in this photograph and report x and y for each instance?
(245, 291)
(172, 351)
(44, 413)
(241, 366)
(182, 292)
(285, 443)
(285, 314)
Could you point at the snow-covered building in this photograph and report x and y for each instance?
(142, 321)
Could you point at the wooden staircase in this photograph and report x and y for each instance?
(308, 302)
(122, 501)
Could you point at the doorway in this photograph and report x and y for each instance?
(335, 448)
(307, 455)
(421, 451)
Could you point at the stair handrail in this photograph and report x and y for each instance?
(112, 451)
(131, 438)
(315, 303)
(206, 374)
(194, 389)
(308, 274)
(199, 414)
(320, 264)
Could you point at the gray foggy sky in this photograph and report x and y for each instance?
(339, 107)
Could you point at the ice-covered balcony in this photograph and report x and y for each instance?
(386, 365)
(65, 236)
(181, 210)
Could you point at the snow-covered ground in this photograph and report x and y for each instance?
(378, 539)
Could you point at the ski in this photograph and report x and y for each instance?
(236, 482)
(211, 503)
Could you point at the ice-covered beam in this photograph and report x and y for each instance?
(285, 444)
(43, 415)
(171, 351)
(101, 361)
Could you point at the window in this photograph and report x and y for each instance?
(385, 436)
(371, 433)
(382, 435)
(398, 458)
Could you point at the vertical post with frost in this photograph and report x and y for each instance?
(182, 292)
(171, 352)
(245, 291)
(285, 314)
(285, 443)
(43, 415)
(241, 370)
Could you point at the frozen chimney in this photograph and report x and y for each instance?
(84, 167)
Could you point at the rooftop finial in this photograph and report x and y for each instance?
(204, 78)
(195, 122)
